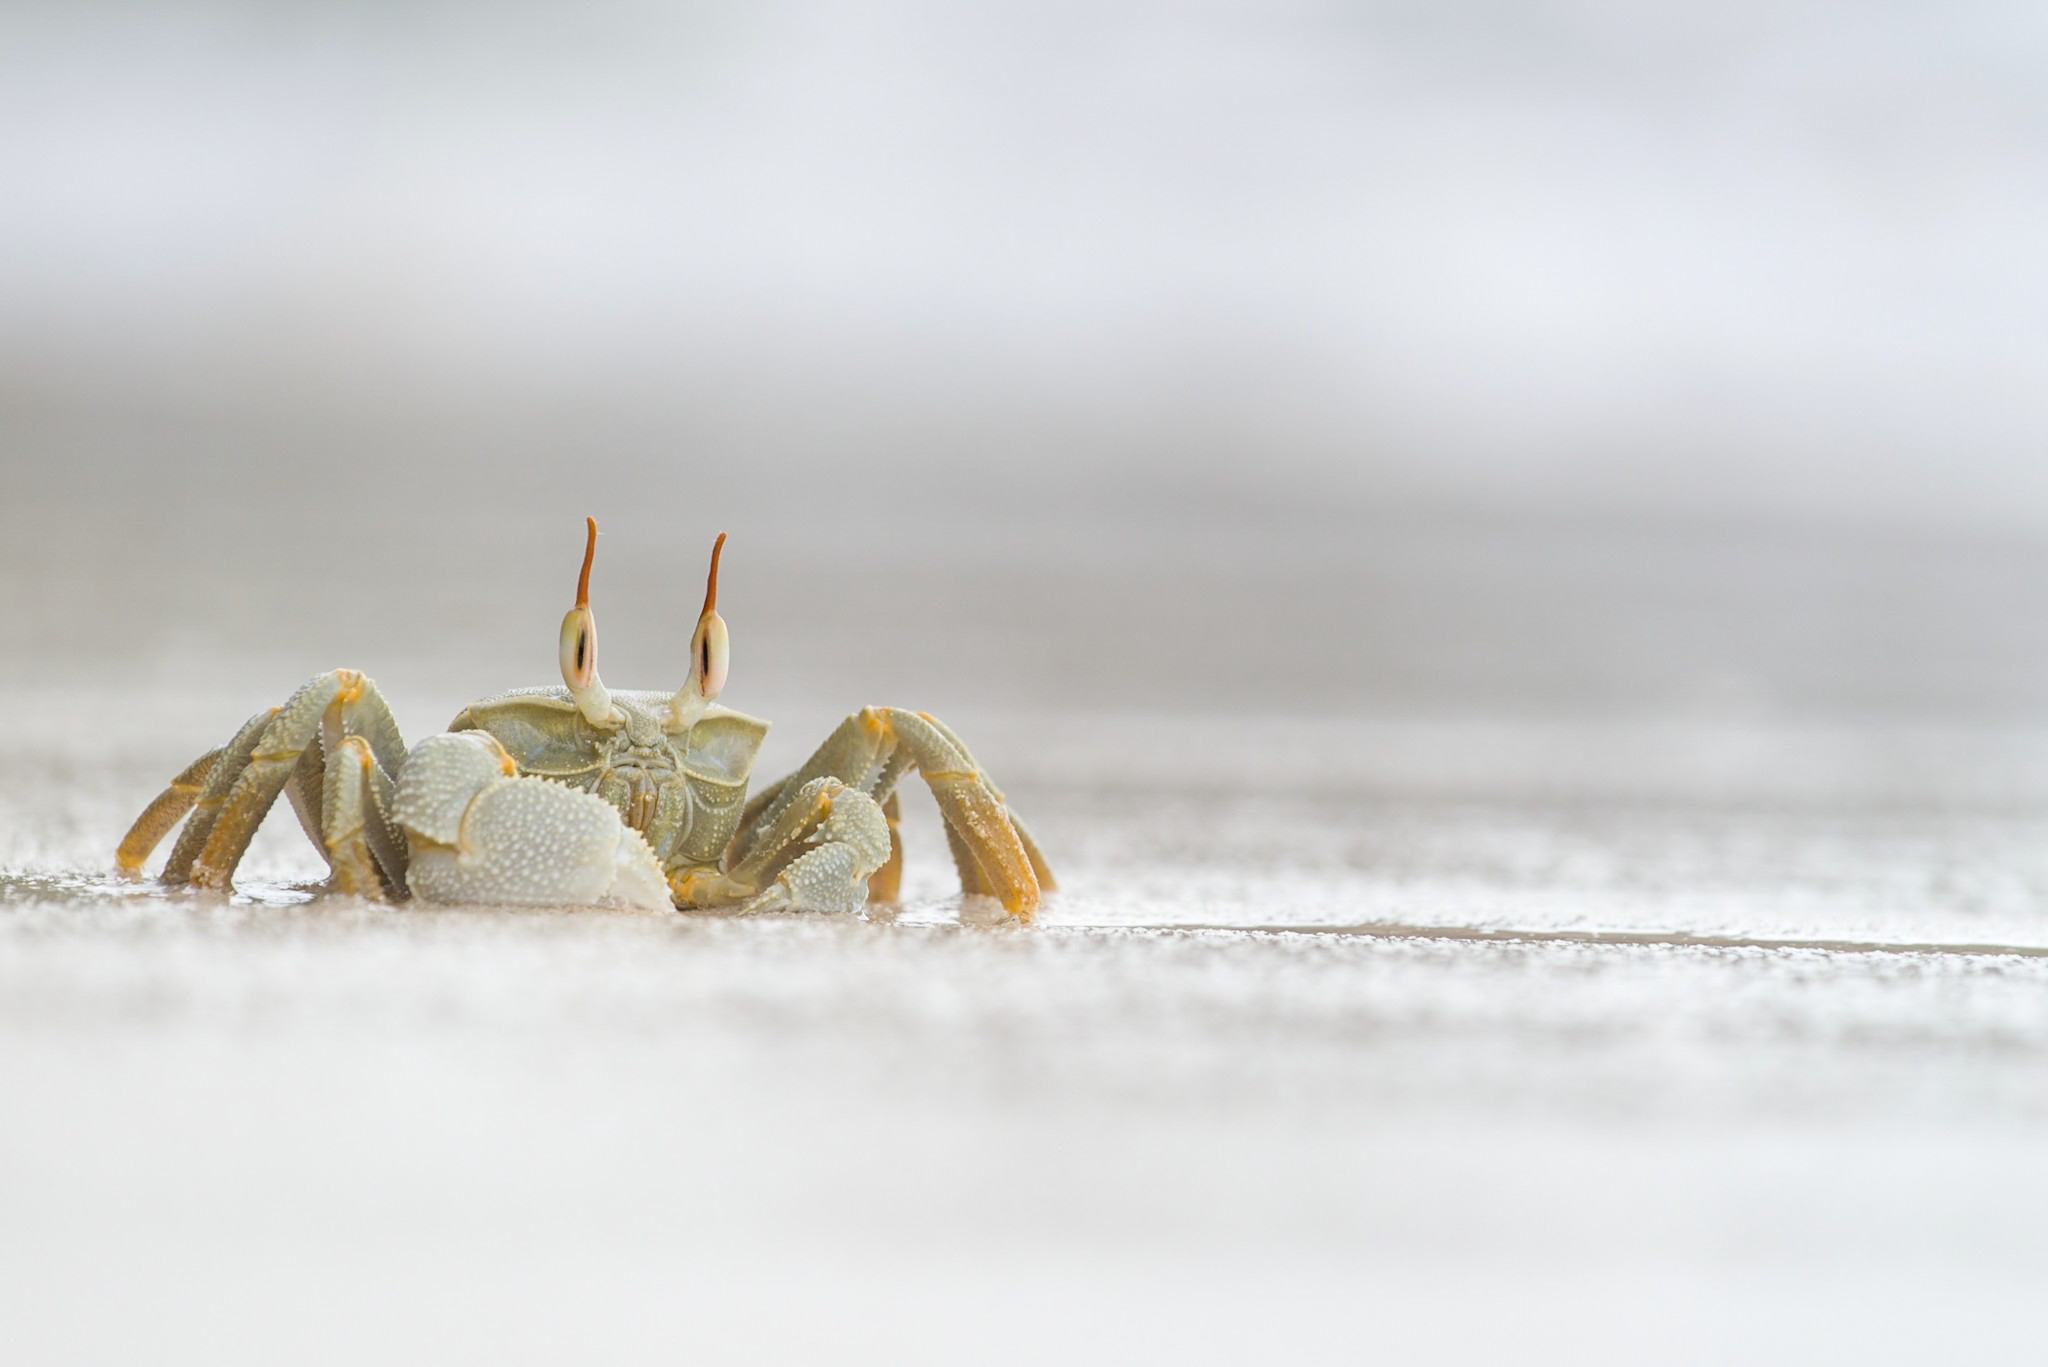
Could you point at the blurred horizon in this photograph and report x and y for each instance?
(1766, 261)
(1501, 357)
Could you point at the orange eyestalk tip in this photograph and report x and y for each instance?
(711, 585)
(589, 554)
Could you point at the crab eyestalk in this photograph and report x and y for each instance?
(709, 652)
(579, 647)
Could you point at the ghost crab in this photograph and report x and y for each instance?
(577, 794)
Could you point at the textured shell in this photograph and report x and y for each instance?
(477, 834)
(547, 736)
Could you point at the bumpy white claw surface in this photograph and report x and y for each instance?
(479, 835)
(846, 847)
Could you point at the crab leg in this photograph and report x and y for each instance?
(977, 822)
(886, 883)
(819, 851)
(166, 811)
(872, 749)
(234, 757)
(246, 782)
(366, 852)
(342, 792)
(1039, 868)
(849, 754)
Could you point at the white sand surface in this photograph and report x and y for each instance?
(1393, 1041)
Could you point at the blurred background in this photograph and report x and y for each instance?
(1503, 549)
(1546, 356)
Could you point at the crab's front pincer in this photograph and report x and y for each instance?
(480, 833)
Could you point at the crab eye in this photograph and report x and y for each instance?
(579, 649)
(710, 655)
(579, 646)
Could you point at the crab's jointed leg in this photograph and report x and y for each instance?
(232, 756)
(167, 810)
(333, 705)
(886, 883)
(451, 821)
(868, 754)
(366, 851)
(334, 745)
(1039, 868)
(816, 855)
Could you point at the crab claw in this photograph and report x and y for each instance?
(480, 833)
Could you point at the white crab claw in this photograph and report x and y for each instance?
(479, 834)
